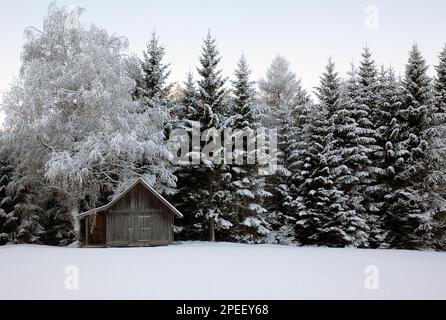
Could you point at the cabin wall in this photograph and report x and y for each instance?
(139, 228)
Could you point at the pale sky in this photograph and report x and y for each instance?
(305, 32)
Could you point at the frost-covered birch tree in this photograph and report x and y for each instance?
(70, 115)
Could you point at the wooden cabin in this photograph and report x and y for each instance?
(138, 217)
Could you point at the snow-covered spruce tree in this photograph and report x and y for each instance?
(152, 92)
(327, 214)
(8, 218)
(188, 105)
(435, 182)
(247, 187)
(316, 200)
(191, 188)
(292, 207)
(54, 219)
(410, 218)
(350, 152)
(28, 211)
(292, 146)
(388, 158)
(211, 91)
(203, 186)
(367, 102)
(287, 104)
(152, 87)
(28, 214)
(20, 217)
(440, 82)
(71, 120)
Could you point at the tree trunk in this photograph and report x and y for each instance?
(211, 220)
(76, 222)
(212, 230)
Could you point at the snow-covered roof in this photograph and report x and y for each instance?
(139, 181)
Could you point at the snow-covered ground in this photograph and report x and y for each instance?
(201, 270)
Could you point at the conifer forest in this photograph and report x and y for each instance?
(359, 161)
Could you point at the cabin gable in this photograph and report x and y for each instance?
(138, 199)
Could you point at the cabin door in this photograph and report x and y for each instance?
(141, 229)
(129, 229)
